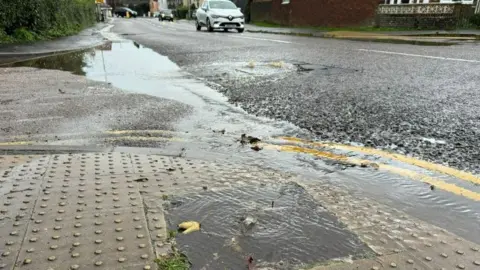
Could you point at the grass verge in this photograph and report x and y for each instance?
(23, 35)
(324, 28)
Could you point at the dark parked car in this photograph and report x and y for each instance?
(122, 12)
(165, 15)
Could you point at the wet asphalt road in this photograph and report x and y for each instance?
(125, 94)
(416, 100)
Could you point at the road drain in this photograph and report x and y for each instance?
(279, 226)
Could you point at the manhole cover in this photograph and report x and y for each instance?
(241, 222)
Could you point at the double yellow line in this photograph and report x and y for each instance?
(296, 145)
(460, 175)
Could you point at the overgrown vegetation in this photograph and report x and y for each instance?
(171, 235)
(181, 12)
(174, 261)
(25, 21)
(475, 20)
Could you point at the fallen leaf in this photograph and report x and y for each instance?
(189, 226)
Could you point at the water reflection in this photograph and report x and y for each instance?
(73, 62)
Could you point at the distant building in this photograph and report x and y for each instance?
(315, 13)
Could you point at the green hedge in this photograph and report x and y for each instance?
(22, 20)
(475, 20)
(181, 12)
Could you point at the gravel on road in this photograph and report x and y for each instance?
(419, 101)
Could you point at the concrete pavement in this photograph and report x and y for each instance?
(87, 38)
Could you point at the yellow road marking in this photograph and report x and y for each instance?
(153, 131)
(15, 143)
(135, 138)
(402, 172)
(324, 154)
(402, 158)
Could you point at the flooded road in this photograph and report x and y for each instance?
(132, 96)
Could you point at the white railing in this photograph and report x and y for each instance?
(416, 9)
(399, 2)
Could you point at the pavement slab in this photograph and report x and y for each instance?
(108, 211)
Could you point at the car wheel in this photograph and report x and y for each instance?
(240, 30)
(209, 26)
(225, 30)
(197, 24)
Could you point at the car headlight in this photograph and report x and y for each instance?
(163, 15)
(241, 17)
(215, 16)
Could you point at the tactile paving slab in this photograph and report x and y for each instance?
(105, 211)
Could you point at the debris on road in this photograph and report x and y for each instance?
(250, 263)
(279, 64)
(248, 223)
(432, 187)
(189, 226)
(256, 148)
(221, 131)
(251, 64)
(61, 91)
(171, 169)
(249, 139)
(144, 179)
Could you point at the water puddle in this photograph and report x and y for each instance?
(279, 226)
(134, 68)
(72, 62)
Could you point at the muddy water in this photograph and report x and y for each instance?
(138, 69)
(280, 226)
(130, 66)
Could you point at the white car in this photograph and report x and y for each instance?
(220, 14)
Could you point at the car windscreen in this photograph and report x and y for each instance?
(167, 11)
(222, 5)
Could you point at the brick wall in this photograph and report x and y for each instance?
(316, 12)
